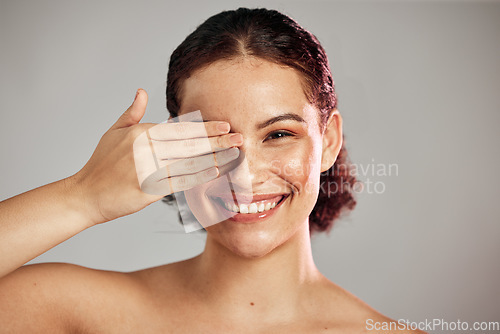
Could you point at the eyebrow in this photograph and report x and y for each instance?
(279, 118)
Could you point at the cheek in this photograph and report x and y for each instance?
(200, 206)
(192, 197)
(296, 169)
(300, 167)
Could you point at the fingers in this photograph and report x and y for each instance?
(196, 164)
(186, 130)
(185, 182)
(153, 185)
(172, 157)
(135, 112)
(187, 148)
(151, 155)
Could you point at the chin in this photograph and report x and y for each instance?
(247, 241)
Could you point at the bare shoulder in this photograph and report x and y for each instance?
(58, 297)
(354, 315)
(163, 281)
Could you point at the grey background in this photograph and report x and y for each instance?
(416, 84)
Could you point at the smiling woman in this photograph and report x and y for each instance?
(284, 170)
(265, 84)
(250, 37)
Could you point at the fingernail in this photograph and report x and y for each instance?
(213, 172)
(223, 127)
(136, 94)
(236, 139)
(233, 153)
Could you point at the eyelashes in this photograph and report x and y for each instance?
(278, 135)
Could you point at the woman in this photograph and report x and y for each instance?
(254, 73)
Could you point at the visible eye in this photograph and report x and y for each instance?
(278, 135)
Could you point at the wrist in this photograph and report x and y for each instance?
(78, 201)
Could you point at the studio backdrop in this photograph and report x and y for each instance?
(417, 86)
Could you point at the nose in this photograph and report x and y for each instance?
(252, 169)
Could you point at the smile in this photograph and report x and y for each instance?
(263, 206)
(254, 207)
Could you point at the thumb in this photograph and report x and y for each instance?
(135, 112)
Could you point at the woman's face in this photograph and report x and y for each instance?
(282, 151)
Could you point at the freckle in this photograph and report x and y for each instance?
(34, 284)
(252, 304)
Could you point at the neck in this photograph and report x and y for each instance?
(246, 287)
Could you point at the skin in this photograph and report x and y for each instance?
(251, 278)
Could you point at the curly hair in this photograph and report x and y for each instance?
(275, 37)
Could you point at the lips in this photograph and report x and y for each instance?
(241, 198)
(249, 208)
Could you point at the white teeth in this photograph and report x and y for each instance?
(243, 208)
(261, 207)
(249, 208)
(252, 208)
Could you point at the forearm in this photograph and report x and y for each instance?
(35, 221)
